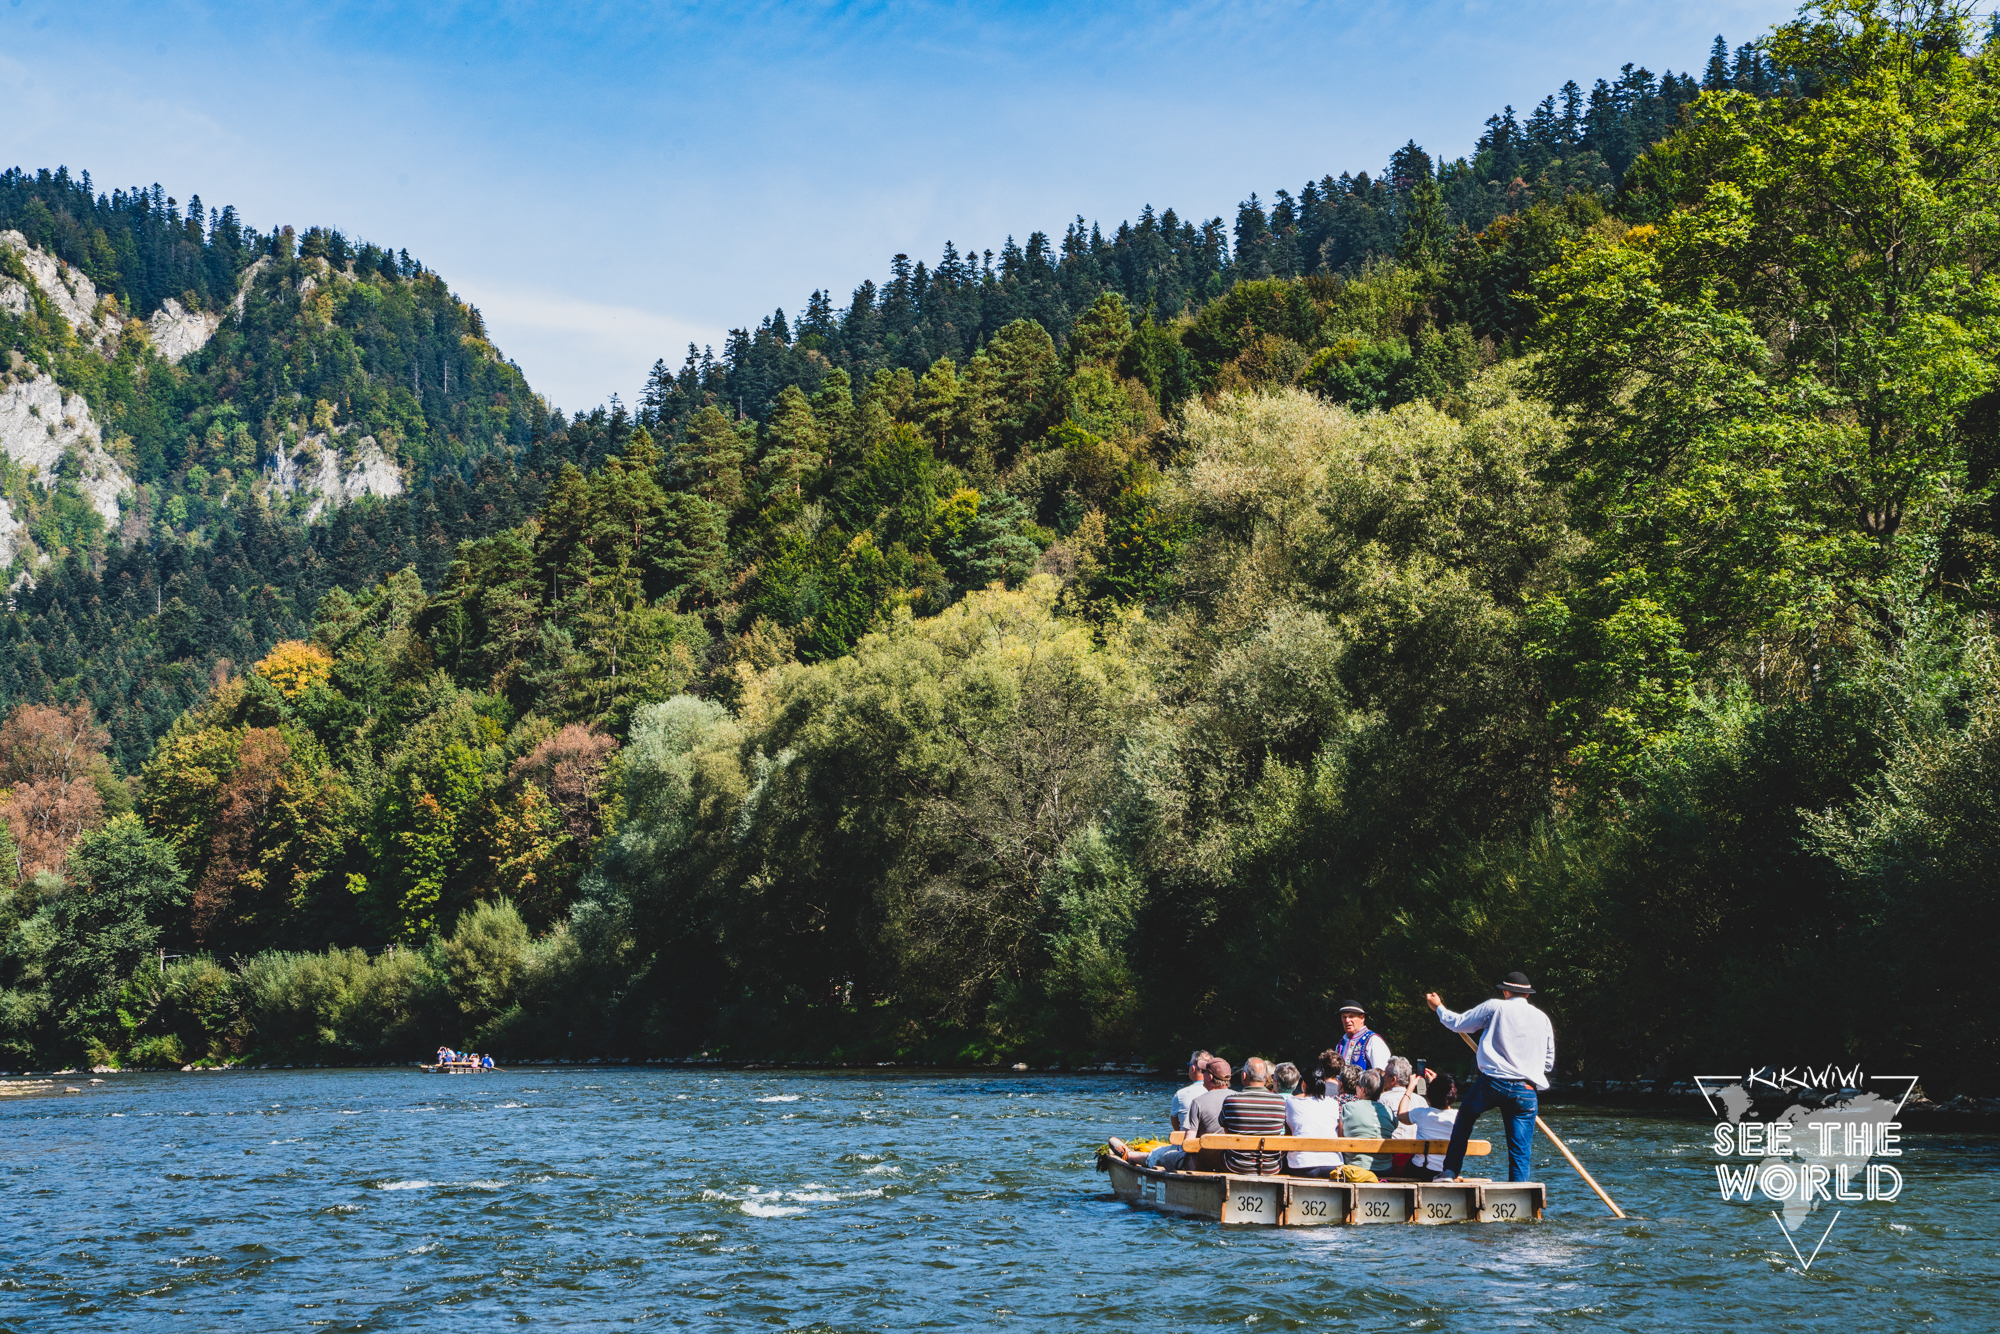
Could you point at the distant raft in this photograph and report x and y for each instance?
(1260, 1201)
(459, 1068)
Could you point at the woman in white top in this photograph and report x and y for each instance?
(1433, 1119)
(1314, 1111)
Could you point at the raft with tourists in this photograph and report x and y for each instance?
(1286, 1201)
(1367, 1137)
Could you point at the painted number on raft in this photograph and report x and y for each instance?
(1313, 1209)
(1504, 1210)
(1435, 1210)
(1249, 1204)
(1375, 1208)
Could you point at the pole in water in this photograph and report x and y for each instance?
(1543, 1126)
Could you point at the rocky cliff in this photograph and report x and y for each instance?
(328, 470)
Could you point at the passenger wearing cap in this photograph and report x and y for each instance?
(1359, 1046)
(1517, 1050)
(1204, 1116)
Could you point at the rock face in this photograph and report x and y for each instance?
(73, 295)
(334, 473)
(37, 423)
(176, 331)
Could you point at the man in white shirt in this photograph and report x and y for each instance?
(1517, 1050)
(1184, 1097)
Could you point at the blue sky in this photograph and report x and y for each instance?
(608, 182)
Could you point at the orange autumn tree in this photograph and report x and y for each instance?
(295, 667)
(544, 833)
(51, 767)
(256, 814)
(51, 759)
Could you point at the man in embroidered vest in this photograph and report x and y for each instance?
(1359, 1047)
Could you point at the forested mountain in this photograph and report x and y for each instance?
(1164, 265)
(218, 388)
(1577, 557)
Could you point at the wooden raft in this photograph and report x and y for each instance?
(1278, 1201)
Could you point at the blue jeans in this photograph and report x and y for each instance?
(1517, 1102)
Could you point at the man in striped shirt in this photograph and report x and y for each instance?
(1254, 1110)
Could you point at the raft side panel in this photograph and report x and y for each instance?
(1447, 1204)
(1171, 1192)
(1255, 1201)
(1314, 1203)
(1383, 1202)
(1513, 1202)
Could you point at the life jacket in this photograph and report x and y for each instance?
(1353, 1049)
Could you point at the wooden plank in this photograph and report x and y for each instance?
(1307, 1144)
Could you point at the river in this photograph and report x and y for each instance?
(607, 1196)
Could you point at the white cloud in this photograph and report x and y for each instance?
(577, 353)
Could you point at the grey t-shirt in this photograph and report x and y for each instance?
(1205, 1113)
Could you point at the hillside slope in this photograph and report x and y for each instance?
(185, 404)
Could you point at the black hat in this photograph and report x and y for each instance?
(1517, 982)
(1354, 1007)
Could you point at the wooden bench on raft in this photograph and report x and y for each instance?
(1309, 1144)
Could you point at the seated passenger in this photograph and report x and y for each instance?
(1365, 1118)
(1433, 1120)
(1204, 1114)
(1329, 1061)
(1285, 1079)
(1255, 1109)
(1396, 1095)
(1315, 1112)
(1184, 1097)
